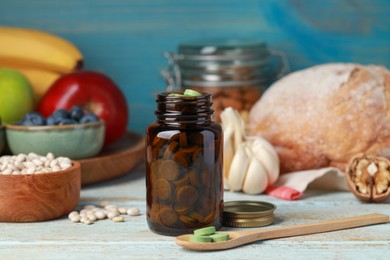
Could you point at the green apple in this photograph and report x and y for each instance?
(16, 95)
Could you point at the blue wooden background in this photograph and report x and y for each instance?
(125, 39)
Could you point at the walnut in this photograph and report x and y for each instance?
(368, 178)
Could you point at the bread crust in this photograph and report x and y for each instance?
(324, 115)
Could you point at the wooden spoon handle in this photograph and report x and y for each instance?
(317, 227)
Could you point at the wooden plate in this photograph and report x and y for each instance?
(118, 159)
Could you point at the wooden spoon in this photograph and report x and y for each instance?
(238, 238)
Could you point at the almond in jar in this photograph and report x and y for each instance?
(234, 72)
(241, 98)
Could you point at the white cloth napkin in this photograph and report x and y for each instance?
(292, 185)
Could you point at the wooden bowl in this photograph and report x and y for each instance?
(115, 160)
(39, 197)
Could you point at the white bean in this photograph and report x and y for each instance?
(112, 214)
(7, 171)
(90, 212)
(21, 157)
(37, 162)
(20, 165)
(122, 211)
(65, 165)
(83, 219)
(88, 221)
(53, 163)
(65, 159)
(33, 155)
(4, 166)
(30, 170)
(47, 164)
(12, 167)
(118, 219)
(56, 168)
(6, 157)
(100, 214)
(133, 212)
(91, 217)
(89, 206)
(75, 219)
(44, 170)
(72, 214)
(50, 156)
(29, 164)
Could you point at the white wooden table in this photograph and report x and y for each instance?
(62, 239)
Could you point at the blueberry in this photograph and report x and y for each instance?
(76, 113)
(67, 121)
(61, 113)
(33, 119)
(52, 121)
(89, 118)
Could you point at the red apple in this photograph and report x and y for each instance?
(93, 91)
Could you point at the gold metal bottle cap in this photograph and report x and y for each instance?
(248, 213)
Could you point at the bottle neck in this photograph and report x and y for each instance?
(184, 110)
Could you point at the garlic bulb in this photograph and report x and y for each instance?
(251, 163)
(236, 175)
(256, 178)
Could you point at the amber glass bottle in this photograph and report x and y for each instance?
(184, 166)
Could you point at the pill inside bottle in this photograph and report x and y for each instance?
(184, 165)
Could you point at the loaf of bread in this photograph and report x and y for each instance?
(323, 115)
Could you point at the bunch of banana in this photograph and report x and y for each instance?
(251, 163)
(40, 56)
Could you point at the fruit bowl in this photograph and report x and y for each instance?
(76, 141)
(115, 160)
(39, 197)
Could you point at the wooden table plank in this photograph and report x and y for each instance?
(60, 238)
